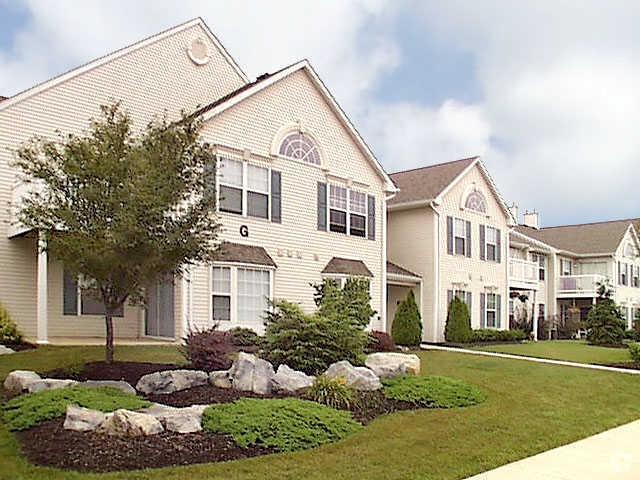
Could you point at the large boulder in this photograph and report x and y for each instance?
(49, 384)
(171, 381)
(251, 374)
(391, 364)
(83, 419)
(221, 379)
(358, 378)
(5, 350)
(119, 384)
(125, 423)
(180, 420)
(289, 380)
(18, 380)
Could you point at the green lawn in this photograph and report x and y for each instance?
(570, 350)
(530, 408)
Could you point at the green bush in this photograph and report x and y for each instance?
(634, 351)
(632, 334)
(491, 335)
(9, 333)
(605, 324)
(285, 425)
(407, 324)
(379, 342)
(432, 391)
(311, 342)
(353, 300)
(244, 337)
(334, 393)
(27, 410)
(458, 326)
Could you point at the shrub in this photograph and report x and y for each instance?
(27, 410)
(604, 324)
(379, 342)
(244, 337)
(208, 349)
(284, 425)
(9, 333)
(353, 300)
(407, 324)
(311, 342)
(632, 334)
(634, 351)
(491, 335)
(334, 392)
(458, 326)
(432, 391)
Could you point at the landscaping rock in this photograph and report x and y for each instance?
(119, 384)
(18, 380)
(125, 423)
(390, 364)
(83, 419)
(5, 350)
(251, 374)
(358, 378)
(221, 379)
(180, 420)
(183, 423)
(49, 384)
(171, 381)
(289, 380)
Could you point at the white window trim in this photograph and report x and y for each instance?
(487, 243)
(464, 236)
(221, 294)
(284, 132)
(244, 188)
(348, 210)
(487, 309)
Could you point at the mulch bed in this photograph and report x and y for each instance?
(128, 371)
(205, 395)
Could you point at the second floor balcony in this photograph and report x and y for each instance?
(580, 285)
(523, 274)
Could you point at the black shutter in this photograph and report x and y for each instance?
(482, 305)
(70, 294)
(371, 224)
(449, 298)
(276, 196)
(322, 206)
(469, 302)
(468, 242)
(498, 310)
(450, 235)
(483, 245)
(499, 246)
(619, 273)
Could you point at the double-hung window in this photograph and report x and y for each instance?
(257, 191)
(337, 208)
(253, 292)
(542, 267)
(636, 276)
(347, 211)
(491, 243)
(244, 188)
(565, 268)
(357, 213)
(239, 294)
(491, 310)
(231, 186)
(460, 236)
(624, 273)
(221, 294)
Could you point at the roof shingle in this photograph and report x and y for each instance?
(347, 266)
(236, 252)
(396, 269)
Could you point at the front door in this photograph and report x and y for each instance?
(159, 315)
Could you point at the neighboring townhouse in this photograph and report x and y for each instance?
(577, 259)
(301, 196)
(449, 227)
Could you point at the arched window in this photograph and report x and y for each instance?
(629, 250)
(476, 201)
(301, 147)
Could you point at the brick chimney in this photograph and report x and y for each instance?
(532, 219)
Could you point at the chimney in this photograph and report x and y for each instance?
(514, 211)
(532, 219)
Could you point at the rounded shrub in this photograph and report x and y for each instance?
(634, 351)
(244, 337)
(9, 333)
(407, 324)
(432, 391)
(284, 425)
(458, 326)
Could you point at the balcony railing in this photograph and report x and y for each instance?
(580, 285)
(523, 272)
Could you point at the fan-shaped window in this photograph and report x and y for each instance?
(629, 250)
(476, 201)
(300, 147)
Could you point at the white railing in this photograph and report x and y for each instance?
(580, 285)
(523, 271)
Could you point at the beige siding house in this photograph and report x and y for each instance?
(301, 195)
(449, 225)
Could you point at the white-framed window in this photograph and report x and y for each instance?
(244, 188)
(347, 211)
(624, 274)
(357, 213)
(491, 310)
(541, 260)
(300, 147)
(221, 294)
(491, 243)
(338, 208)
(636, 276)
(253, 294)
(475, 201)
(459, 236)
(565, 268)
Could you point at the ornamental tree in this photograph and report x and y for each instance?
(407, 324)
(605, 324)
(458, 326)
(121, 209)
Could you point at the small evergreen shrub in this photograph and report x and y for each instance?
(353, 300)
(9, 333)
(311, 342)
(380, 342)
(407, 324)
(458, 326)
(432, 391)
(244, 337)
(27, 410)
(208, 349)
(634, 351)
(605, 324)
(285, 425)
(491, 335)
(334, 393)
(633, 335)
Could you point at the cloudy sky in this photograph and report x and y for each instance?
(546, 92)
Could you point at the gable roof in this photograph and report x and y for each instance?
(239, 253)
(264, 81)
(582, 239)
(346, 266)
(395, 269)
(119, 53)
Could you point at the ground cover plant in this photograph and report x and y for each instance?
(432, 391)
(333, 392)
(282, 424)
(27, 410)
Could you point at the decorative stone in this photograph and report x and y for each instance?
(181, 420)
(5, 350)
(251, 374)
(358, 378)
(221, 379)
(171, 381)
(390, 364)
(125, 423)
(18, 380)
(83, 419)
(49, 384)
(183, 423)
(119, 384)
(289, 380)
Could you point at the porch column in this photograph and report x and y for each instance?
(41, 291)
(535, 316)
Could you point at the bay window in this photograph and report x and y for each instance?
(240, 294)
(253, 292)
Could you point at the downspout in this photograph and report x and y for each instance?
(383, 287)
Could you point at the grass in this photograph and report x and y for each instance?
(569, 350)
(530, 408)
(433, 391)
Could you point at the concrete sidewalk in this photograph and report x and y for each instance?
(613, 454)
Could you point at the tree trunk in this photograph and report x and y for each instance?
(109, 343)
